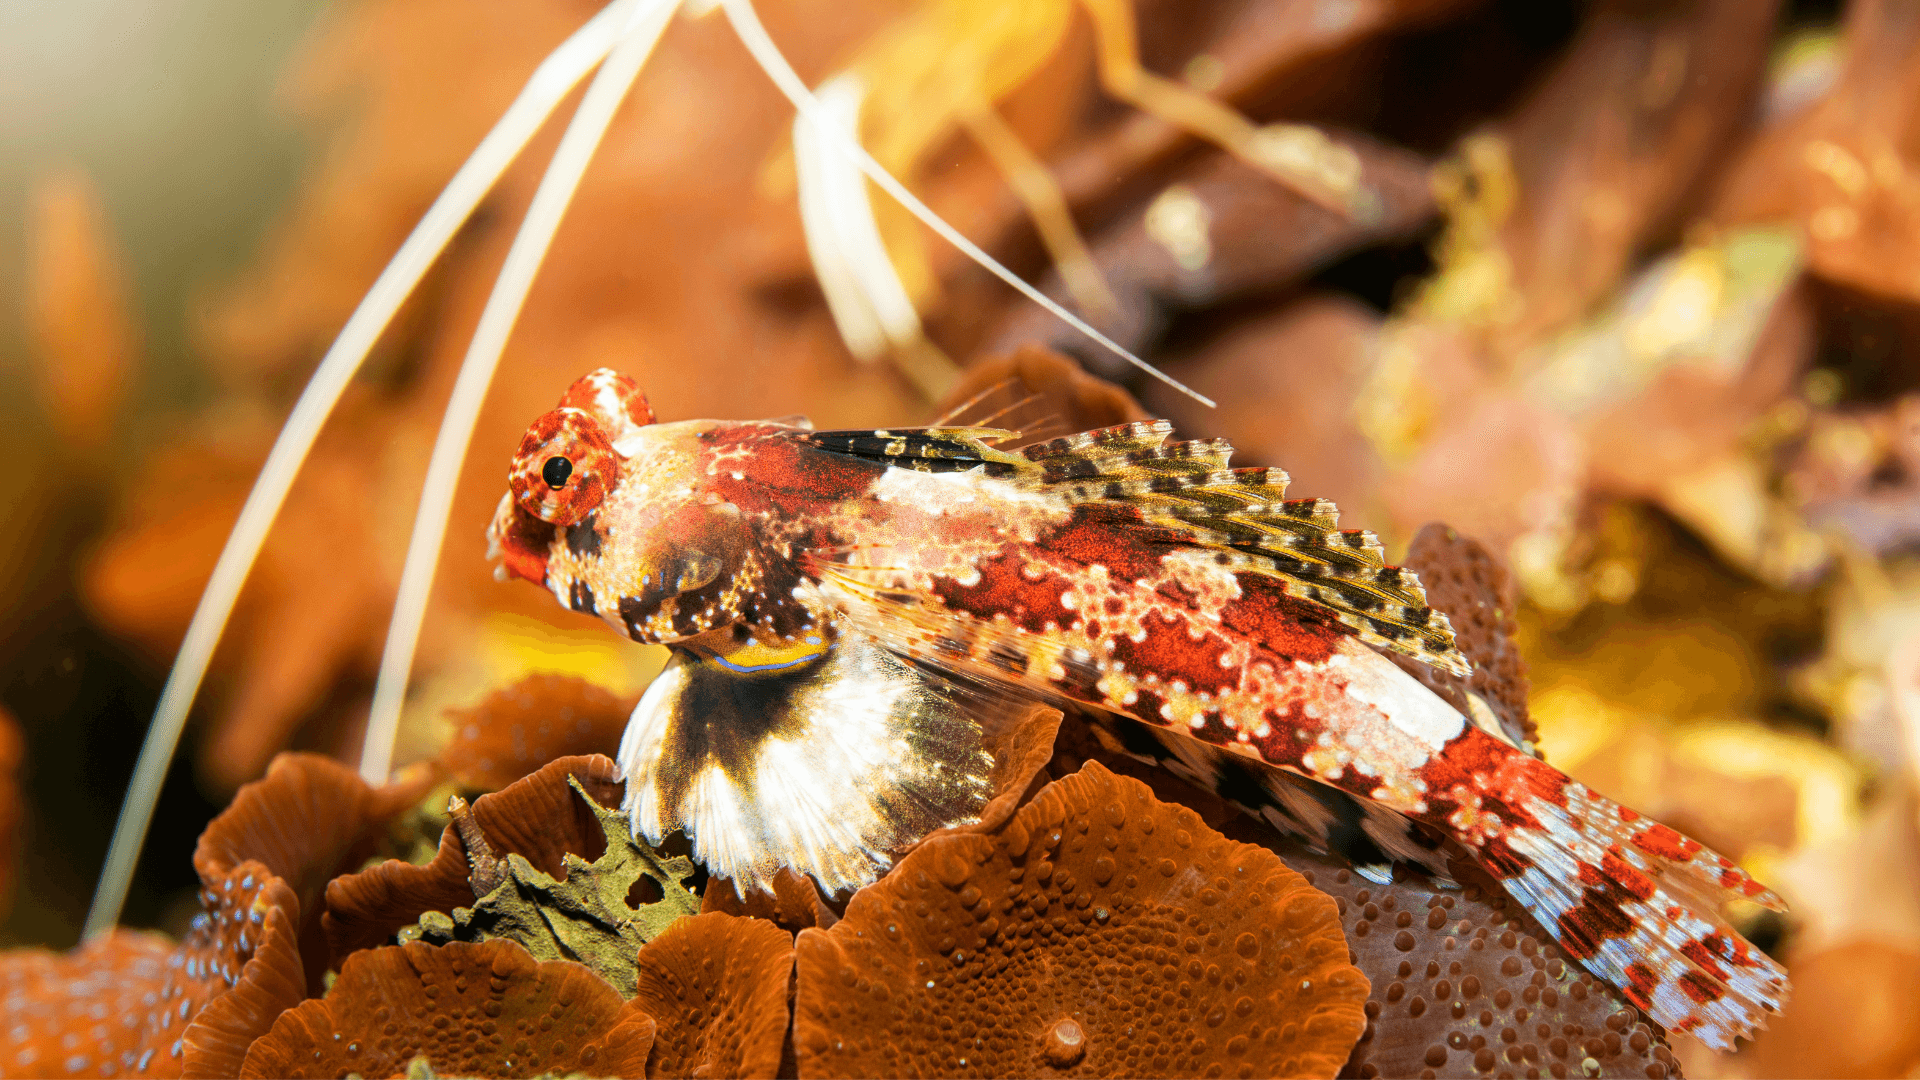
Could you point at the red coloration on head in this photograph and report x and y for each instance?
(567, 445)
(612, 398)
(524, 542)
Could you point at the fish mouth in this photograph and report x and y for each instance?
(517, 543)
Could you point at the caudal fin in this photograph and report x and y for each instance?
(1638, 904)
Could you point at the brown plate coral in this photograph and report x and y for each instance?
(470, 1010)
(718, 986)
(1099, 932)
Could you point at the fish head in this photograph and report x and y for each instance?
(618, 515)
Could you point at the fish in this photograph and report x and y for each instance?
(850, 611)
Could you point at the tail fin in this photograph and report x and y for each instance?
(1638, 904)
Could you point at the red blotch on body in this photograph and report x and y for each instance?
(1171, 654)
(1641, 980)
(1705, 952)
(595, 391)
(1108, 536)
(783, 475)
(1289, 628)
(1733, 951)
(1499, 858)
(1520, 779)
(1631, 880)
(1282, 744)
(1146, 707)
(1507, 780)
(1700, 989)
(1596, 918)
(1736, 879)
(1006, 588)
(1666, 843)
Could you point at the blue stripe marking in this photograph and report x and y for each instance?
(749, 669)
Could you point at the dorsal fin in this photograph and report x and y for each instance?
(1189, 493)
(1188, 489)
(932, 449)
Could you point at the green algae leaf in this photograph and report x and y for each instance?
(583, 917)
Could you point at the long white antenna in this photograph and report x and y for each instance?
(641, 24)
(551, 81)
(746, 23)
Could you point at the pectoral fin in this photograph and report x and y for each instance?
(825, 757)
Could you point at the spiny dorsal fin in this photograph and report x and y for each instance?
(1189, 490)
(1190, 495)
(1118, 439)
(951, 449)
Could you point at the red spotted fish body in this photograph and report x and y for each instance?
(844, 607)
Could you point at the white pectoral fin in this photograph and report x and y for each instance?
(826, 764)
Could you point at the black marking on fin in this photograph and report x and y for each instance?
(921, 449)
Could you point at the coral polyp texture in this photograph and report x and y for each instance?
(470, 1010)
(1100, 932)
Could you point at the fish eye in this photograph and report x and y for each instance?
(565, 467)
